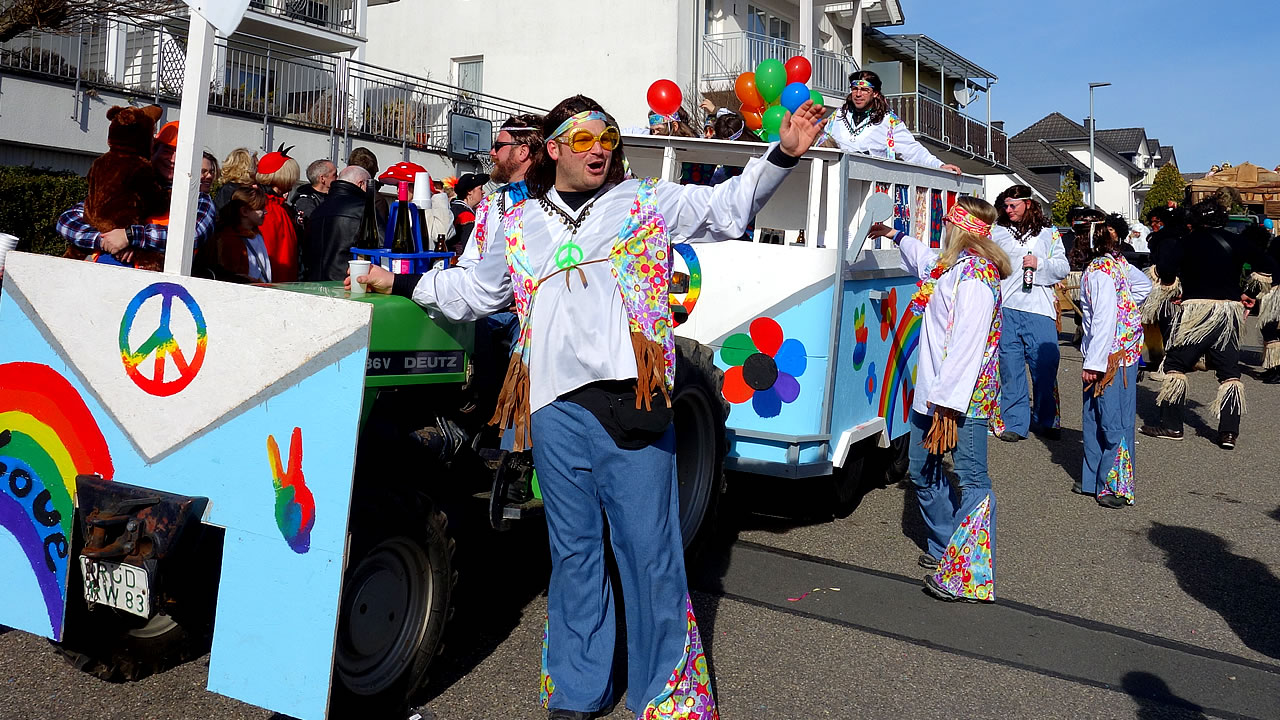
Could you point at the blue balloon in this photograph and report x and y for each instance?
(1268, 224)
(774, 137)
(794, 95)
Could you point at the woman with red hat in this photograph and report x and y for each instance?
(277, 174)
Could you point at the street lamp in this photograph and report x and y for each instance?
(1093, 202)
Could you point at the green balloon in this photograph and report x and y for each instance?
(773, 119)
(816, 97)
(771, 78)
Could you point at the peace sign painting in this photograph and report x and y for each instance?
(247, 396)
(161, 344)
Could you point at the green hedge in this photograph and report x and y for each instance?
(31, 201)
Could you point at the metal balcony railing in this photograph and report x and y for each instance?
(336, 15)
(929, 118)
(277, 83)
(725, 56)
(831, 72)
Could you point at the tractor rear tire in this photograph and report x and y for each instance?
(700, 411)
(396, 596)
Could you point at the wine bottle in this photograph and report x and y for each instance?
(402, 238)
(1028, 277)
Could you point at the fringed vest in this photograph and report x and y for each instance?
(985, 401)
(1127, 344)
(641, 264)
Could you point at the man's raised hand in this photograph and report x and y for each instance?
(800, 129)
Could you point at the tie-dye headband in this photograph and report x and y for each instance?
(864, 84)
(964, 220)
(574, 121)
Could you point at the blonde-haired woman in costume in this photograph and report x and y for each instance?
(1111, 291)
(957, 395)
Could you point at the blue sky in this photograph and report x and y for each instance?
(1200, 76)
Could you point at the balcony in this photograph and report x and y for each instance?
(256, 78)
(928, 118)
(725, 56)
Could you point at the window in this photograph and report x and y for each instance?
(763, 22)
(470, 74)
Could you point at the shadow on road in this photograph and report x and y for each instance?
(1240, 589)
(499, 574)
(1275, 514)
(1156, 701)
(1068, 454)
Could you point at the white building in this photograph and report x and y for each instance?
(541, 53)
(292, 73)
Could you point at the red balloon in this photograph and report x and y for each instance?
(745, 88)
(753, 118)
(664, 97)
(798, 70)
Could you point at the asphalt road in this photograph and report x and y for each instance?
(1168, 609)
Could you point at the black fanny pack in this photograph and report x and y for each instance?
(613, 403)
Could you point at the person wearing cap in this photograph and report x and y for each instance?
(122, 244)
(517, 147)
(434, 218)
(1029, 334)
(586, 258)
(277, 173)
(470, 191)
(865, 124)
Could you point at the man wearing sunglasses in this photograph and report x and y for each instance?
(587, 260)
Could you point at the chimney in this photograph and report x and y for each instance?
(1087, 122)
(998, 125)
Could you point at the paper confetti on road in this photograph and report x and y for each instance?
(807, 594)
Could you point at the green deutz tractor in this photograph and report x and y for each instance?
(426, 448)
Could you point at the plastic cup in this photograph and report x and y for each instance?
(7, 243)
(358, 268)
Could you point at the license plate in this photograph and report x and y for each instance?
(123, 587)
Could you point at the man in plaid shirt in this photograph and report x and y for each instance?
(121, 242)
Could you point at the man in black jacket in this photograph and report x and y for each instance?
(335, 226)
(1208, 262)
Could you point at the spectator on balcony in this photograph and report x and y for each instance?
(208, 172)
(865, 124)
(137, 245)
(1029, 334)
(677, 125)
(237, 171)
(307, 197)
(336, 225)
(277, 174)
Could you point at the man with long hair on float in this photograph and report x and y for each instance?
(865, 124)
(587, 260)
(1111, 290)
(1208, 262)
(957, 396)
(1029, 332)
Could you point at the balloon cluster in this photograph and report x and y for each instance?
(771, 91)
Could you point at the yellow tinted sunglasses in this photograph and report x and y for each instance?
(581, 139)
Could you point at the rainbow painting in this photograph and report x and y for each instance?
(686, 251)
(48, 436)
(899, 368)
(295, 506)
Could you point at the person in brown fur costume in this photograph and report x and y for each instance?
(134, 242)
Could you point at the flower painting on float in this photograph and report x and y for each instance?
(764, 367)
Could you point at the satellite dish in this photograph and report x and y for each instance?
(963, 93)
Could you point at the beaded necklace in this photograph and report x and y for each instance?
(569, 253)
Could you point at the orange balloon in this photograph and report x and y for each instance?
(745, 88)
(753, 118)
